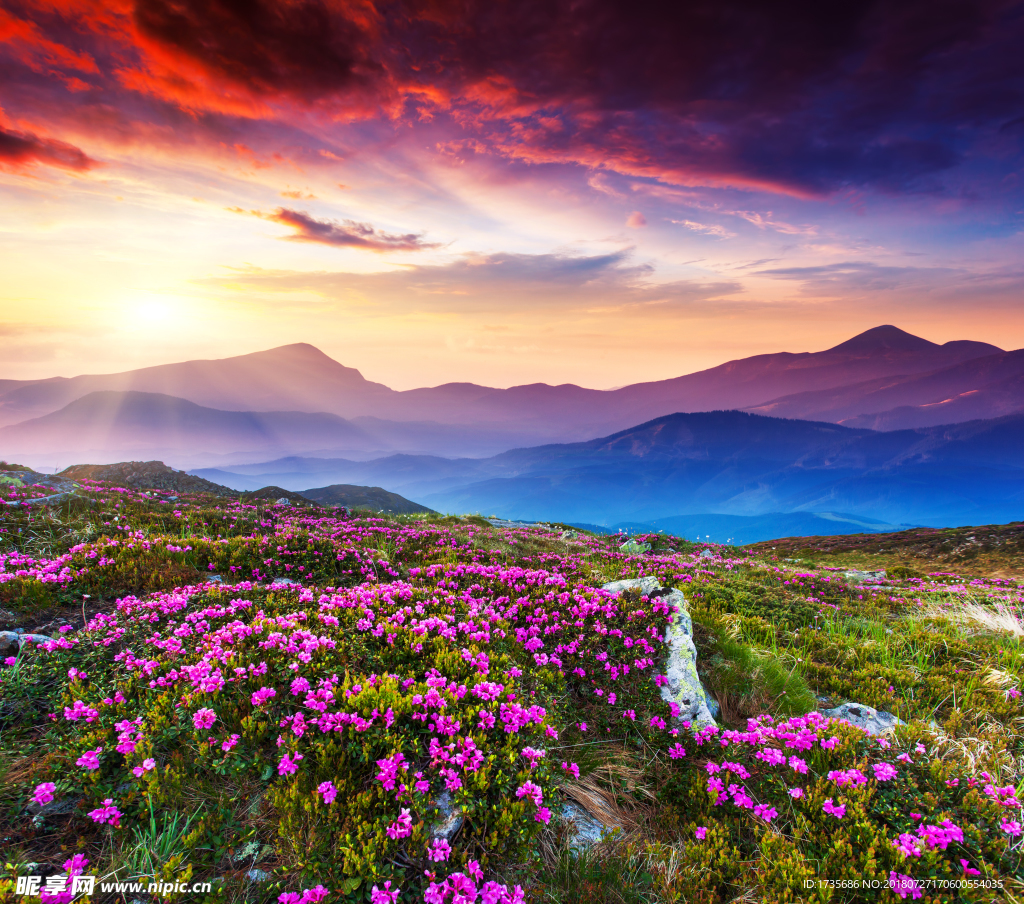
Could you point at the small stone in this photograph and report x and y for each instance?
(282, 582)
(257, 875)
(584, 829)
(450, 819)
(215, 579)
(647, 586)
(35, 639)
(864, 717)
(8, 643)
(706, 554)
(284, 500)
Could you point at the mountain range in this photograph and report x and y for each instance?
(295, 399)
(885, 428)
(725, 462)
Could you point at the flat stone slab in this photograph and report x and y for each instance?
(864, 717)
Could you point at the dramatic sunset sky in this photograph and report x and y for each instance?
(546, 190)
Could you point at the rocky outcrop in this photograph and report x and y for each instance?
(684, 687)
(855, 576)
(864, 717)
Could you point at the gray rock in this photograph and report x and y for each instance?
(865, 717)
(684, 687)
(284, 500)
(282, 582)
(257, 875)
(8, 643)
(35, 639)
(647, 586)
(706, 554)
(583, 829)
(56, 807)
(215, 579)
(449, 820)
(864, 577)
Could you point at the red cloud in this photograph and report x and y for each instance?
(21, 149)
(347, 234)
(781, 95)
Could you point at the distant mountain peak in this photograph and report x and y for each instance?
(884, 338)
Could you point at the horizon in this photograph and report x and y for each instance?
(585, 203)
(383, 380)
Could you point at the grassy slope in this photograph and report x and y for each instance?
(772, 636)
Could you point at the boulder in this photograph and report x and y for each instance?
(684, 687)
(856, 576)
(449, 820)
(12, 641)
(284, 500)
(282, 582)
(583, 829)
(35, 639)
(865, 717)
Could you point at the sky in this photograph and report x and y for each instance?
(554, 191)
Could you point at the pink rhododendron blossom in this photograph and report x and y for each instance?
(327, 791)
(287, 766)
(90, 759)
(904, 886)
(838, 811)
(401, 827)
(108, 813)
(44, 793)
(385, 895)
(439, 851)
(701, 832)
(204, 718)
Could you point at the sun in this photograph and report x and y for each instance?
(152, 312)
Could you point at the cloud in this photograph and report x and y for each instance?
(864, 276)
(346, 234)
(788, 96)
(502, 282)
(719, 231)
(19, 150)
(636, 220)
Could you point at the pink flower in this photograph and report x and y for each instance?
(796, 793)
(313, 895)
(44, 793)
(701, 832)
(90, 759)
(573, 768)
(287, 765)
(1011, 828)
(262, 695)
(543, 815)
(146, 766)
(108, 813)
(204, 718)
(677, 752)
(904, 886)
(439, 851)
(230, 743)
(401, 827)
(884, 771)
(837, 811)
(532, 791)
(328, 792)
(383, 895)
